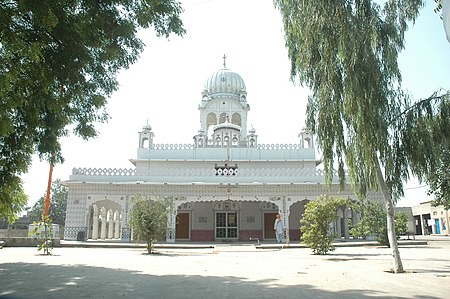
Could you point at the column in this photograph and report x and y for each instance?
(422, 225)
(338, 225)
(345, 223)
(283, 204)
(110, 224)
(171, 224)
(103, 227)
(117, 225)
(95, 223)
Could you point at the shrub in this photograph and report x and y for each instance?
(315, 223)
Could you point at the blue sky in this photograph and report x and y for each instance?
(165, 85)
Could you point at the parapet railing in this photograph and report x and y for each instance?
(179, 146)
(180, 172)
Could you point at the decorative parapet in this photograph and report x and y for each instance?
(104, 171)
(211, 144)
(279, 146)
(173, 146)
(186, 172)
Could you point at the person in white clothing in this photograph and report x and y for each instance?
(278, 227)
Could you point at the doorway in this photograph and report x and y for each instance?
(269, 220)
(226, 225)
(182, 226)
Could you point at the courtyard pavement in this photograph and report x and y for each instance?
(226, 271)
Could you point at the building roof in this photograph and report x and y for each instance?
(224, 81)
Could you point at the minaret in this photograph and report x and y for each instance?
(306, 138)
(146, 137)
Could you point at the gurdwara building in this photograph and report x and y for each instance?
(225, 186)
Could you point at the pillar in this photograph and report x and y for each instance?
(110, 224)
(95, 223)
(422, 226)
(171, 225)
(338, 224)
(345, 228)
(117, 225)
(103, 227)
(283, 204)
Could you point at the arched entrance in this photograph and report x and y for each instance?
(104, 220)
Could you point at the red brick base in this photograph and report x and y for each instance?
(245, 235)
(294, 234)
(202, 235)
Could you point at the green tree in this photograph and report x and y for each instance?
(346, 52)
(58, 64)
(401, 223)
(14, 203)
(316, 223)
(58, 205)
(439, 181)
(149, 220)
(373, 222)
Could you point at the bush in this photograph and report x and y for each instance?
(315, 223)
(373, 222)
(149, 220)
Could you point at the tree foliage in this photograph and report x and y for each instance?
(316, 221)
(12, 204)
(373, 222)
(149, 220)
(346, 52)
(58, 64)
(58, 205)
(439, 181)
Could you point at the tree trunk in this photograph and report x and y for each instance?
(149, 247)
(398, 266)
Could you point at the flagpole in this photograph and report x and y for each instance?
(47, 196)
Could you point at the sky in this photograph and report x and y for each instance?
(164, 86)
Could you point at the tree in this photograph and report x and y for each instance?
(316, 221)
(149, 220)
(439, 181)
(372, 222)
(58, 205)
(346, 52)
(401, 223)
(58, 65)
(12, 205)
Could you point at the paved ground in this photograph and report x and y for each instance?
(226, 272)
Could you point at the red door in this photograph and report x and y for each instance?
(182, 227)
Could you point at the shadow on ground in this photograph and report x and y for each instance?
(28, 280)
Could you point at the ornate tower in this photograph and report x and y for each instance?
(306, 138)
(223, 111)
(146, 137)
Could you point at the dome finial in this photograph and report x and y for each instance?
(224, 61)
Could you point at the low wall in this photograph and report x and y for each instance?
(13, 233)
(22, 233)
(26, 242)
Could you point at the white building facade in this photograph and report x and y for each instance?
(225, 186)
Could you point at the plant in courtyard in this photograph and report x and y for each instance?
(59, 62)
(373, 222)
(149, 220)
(346, 52)
(44, 231)
(316, 223)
